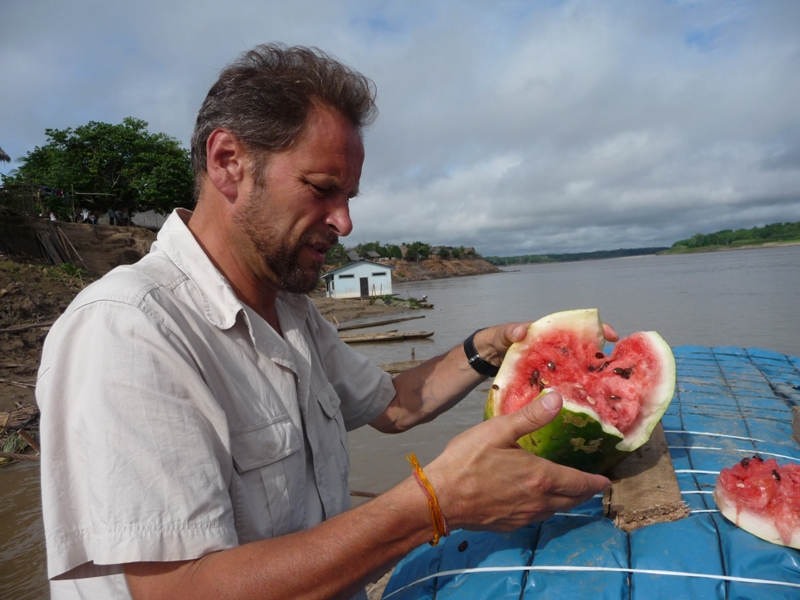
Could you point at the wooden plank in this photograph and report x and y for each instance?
(376, 323)
(644, 489)
(25, 328)
(387, 336)
(796, 423)
(398, 367)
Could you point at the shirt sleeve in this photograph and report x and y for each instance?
(136, 453)
(364, 389)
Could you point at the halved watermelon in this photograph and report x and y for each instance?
(762, 498)
(611, 402)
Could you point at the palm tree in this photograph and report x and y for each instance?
(4, 157)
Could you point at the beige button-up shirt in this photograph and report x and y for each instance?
(174, 424)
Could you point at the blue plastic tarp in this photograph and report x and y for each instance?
(729, 403)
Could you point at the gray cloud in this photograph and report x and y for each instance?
(514, 127)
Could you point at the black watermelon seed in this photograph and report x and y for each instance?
(591, 368)
(745, 462)
(551, 365)
(618, 371)
(613, 397)
(495, 386)
(463, 546)
(599, 355)
(776, 475)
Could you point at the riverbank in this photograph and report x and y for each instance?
(96, 249)
(32, 296)
(436, 268)
(684, 250)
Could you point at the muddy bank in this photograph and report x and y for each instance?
(436, 268)
(34, 295)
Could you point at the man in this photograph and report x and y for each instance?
(208, 457)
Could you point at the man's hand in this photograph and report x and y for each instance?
(492, 343)
(484, 480)
(437, 385)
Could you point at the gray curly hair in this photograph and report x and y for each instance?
(264, 96)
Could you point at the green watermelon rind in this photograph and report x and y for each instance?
(591, 446)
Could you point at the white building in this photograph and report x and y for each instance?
(359, 279)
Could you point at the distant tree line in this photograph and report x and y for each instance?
(414, 251)
(776, 232)
(528, 259)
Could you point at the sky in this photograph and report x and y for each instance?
(515, 127)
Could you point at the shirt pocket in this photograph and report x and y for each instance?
(333, 424)
(270, 475)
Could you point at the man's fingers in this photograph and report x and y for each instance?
(571, 483)
(533, 416)
(515, 332)
(609, 333)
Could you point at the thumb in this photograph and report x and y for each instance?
(533, 416)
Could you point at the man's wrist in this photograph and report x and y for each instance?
(475, 360)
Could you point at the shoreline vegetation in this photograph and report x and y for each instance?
(772, 235)
(532, 259)
(768, 236)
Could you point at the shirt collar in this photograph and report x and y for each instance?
(220, 304)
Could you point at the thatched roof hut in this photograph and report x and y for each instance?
(4, 157)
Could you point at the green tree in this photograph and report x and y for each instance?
(418, 251)
(362, 249)
(335, 255)
(393, 251)
(110, 166)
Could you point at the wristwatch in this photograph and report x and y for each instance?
(474, 359)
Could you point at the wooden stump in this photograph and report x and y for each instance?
(644, 489)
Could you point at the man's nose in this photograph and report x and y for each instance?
(338, 217)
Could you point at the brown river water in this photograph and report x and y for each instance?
(748, 298)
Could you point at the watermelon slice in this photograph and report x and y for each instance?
(611, 402)
(762, 498)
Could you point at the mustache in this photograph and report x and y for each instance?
(322, 237)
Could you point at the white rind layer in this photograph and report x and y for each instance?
(653, 411)
(760, 526)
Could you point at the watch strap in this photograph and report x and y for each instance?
(474, 359)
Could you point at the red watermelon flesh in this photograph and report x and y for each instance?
(611, 402)
(613, 386)
(762, 498)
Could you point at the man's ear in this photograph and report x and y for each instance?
(226, 162)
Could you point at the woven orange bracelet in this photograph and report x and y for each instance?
(437, 518)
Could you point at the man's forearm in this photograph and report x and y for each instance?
(332, 560)
(433, 387)
(428, 390)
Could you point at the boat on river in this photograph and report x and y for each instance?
(729, 403)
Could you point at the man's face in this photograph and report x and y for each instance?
(302, 205)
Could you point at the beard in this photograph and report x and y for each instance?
(281, 257)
